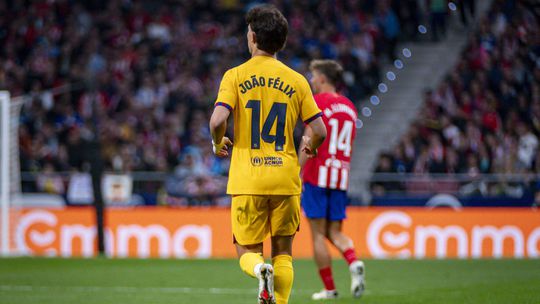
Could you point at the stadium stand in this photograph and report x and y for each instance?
(483, 118)
(148, 72)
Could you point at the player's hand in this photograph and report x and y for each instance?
(222, 149)
(310, 152)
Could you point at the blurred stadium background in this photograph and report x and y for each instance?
(104, 136)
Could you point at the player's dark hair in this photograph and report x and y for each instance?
(270, 27)
(329, 68)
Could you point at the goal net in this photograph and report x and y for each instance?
(10, 178)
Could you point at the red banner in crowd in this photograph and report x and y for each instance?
(206, 233)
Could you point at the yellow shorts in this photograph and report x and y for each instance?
(254, 216)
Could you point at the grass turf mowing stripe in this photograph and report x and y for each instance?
(130, 281)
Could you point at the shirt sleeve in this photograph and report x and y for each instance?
(309, 110)
(228, 93)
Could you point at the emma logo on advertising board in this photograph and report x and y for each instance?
(395, 234)
(182, 233)
(39, 231)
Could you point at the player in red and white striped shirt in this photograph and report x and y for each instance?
(326, 178)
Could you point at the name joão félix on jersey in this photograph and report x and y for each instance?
(269, 82)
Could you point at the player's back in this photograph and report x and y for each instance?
(269, 99)
(330, 169)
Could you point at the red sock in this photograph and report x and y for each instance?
(326, 277)
(349, 256)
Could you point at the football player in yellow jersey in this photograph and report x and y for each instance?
(265, 98)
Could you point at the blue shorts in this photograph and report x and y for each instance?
(324, 203)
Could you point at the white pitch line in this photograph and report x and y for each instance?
(171, 290)
(129, 289)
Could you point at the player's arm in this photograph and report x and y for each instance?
(225, 103)
(302, 156)
(312, 117)
(314, 136)
(218, 126)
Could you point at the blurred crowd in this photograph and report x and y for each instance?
(484, 117)
(141, 76)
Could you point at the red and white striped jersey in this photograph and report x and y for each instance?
(330, 169)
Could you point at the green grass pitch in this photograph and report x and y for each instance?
(118, 281)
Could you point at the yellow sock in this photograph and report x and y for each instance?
(248, 261)
(283, 278)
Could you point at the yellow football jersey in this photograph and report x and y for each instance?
(266, 99)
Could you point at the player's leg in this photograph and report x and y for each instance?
(315, 204)
(285, 220)
(322, 259)
(320, 250)
(252, 263)
(250, 226)
(341, 241)
(283, 267)
(345, 245)
(338, 204)
(250, 257)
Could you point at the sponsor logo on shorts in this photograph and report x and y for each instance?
(267, 161)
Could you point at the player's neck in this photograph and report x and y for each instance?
(326, 88)
(258, 52)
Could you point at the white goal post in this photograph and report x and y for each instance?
(10, 173)
(4, 171)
